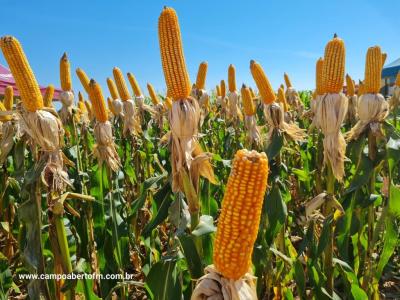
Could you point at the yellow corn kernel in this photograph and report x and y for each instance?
(361, 88)
(121, 85)
(153, 94)
(89, 109)
(333, 66)
(4, 118)
(373, 70)
(398, 79)
(112, 88)
(48, 96)
(65, 73)
(25, 80)
(83, 78)
(231, 78)
(282, 99)
(172, 56)
(218, 90)
(81, 105)
(253, 95)
(287, 80)
(223, 89)
(318, 76)
(263, 84)
(168, 102)
(110, 105)
(98, 104)
(135, 85)
(350, 86)
(9, 98)
(248, 104)
(240, 214)
(201, 76)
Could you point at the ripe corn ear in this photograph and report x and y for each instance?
(223, 89)
(240, 216)
(112, 88)
(135, 85)
(172, 56)
(201, 76)
(218, 90)
(350, 86)
(318, 77)
(231, 78)
(398, 79)
(98, 104)
(248, 104)
(263, 84)
(333, 66)
(282, 99)
(168, 102)
(287, 80)
(9, 98)
(48, 96)
(65, 73)
(153, 94)
(25, 80)
(121, 84)
(373, 70)
(83, 78)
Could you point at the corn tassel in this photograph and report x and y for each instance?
(240, 214)
(287, 80)
(201, 76)
(153, 95)
(65, 73)
(9, 98)
(263, 84)
(48, 96)
(25, 80)
(350, 86)
(231, 78)
(83, 78)
(318, 77)
(135, 85)
(373, 70)
(98, 104)
(121, 84)
(248, 104)
(172, 56)
(112, 88)
(333, 66)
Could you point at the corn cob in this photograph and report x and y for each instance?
(121, 85)
(25, 80)
(282, 99)
(172, 56)
(9, 98)
(373, 70)
(135, 85)
(231, 78)
(113, 88)
(350, 86)
(218, 90)
(263, 84)
(110, 105)
(333, 66)
(398, 79)
(168, 102)
(83, 78)
(361, 88)
(287, 80)
(201, 76)
(240, 215)
(98, 104)
(65, 73)
(318, 76)
(248, 104)
(223, 89)
(89, 109)
(153, 95)
(253, 95)
(48, 96)
(4, 118)
(81, 104)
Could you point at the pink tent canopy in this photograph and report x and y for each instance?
(7, 79)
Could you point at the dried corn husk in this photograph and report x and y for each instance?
(372, 109)
(131, 123)
(45, 130)
(274, 115)
(253, 133)
(67, 109)
(104, 150)
(293, 100)
(395, 99)
(213, 286)
(142, 107)
(352, 114)
(330, 114)
(8, 132)
(118, 108)
(234, 112)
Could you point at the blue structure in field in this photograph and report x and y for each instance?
(389, 74)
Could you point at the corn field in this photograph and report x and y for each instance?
(208, 191)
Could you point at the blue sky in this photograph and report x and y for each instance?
(284, 36)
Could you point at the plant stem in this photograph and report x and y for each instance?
(328, 257)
